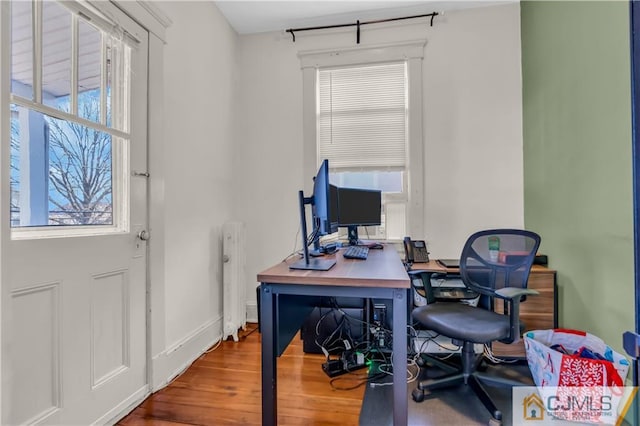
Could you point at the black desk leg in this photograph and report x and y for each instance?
(400, 400)
(269, 327)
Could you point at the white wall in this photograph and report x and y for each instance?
(192, 174)
(268, 155)
(472, 128)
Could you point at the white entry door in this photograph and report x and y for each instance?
(75, 342)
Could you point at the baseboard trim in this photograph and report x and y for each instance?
(124, 408)
(174, 360)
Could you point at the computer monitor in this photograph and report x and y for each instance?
(324, 219)
(358, 207)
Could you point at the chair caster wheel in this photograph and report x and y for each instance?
(495, 422)
(417, 395)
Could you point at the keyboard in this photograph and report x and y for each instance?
(356, 252)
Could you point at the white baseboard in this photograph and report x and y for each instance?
(252, 312)
(170, 363)
(124, 408)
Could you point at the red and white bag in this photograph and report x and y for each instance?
(566, 376)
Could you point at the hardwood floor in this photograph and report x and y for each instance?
(223, 387)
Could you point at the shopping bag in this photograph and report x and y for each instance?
(578, 372)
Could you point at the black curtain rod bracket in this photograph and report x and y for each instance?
(357, 24)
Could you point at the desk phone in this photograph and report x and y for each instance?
(415, 251)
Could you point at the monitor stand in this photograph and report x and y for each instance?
(313, 264)
(352, 233)
(308, 263)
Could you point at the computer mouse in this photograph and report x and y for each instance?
(376, 246)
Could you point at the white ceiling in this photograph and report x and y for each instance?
(248, 17)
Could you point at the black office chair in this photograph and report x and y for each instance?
(495, 263)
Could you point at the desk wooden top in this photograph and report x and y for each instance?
(434, 266)
(383, 268)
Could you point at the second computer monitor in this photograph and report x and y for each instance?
(358, 207)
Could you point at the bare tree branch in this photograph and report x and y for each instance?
(80, 164)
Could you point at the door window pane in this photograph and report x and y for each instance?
(118, 56)
(15, 167)
(109, 71)
(62, 172)
(89, 71)
(69, 138)
(21, 49)
(56, 55)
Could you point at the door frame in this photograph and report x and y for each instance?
(155, 22)
(634, 30)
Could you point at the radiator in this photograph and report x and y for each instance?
(233, 283)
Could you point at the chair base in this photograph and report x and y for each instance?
(418, 394)
(467, 375)
(427, 360)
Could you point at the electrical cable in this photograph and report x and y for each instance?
(361, 378)
(491, 357)
(211, 349)
(244, 336)
(370, 350)
(214, 347)
(340, 338)
(290, 255)
(295, 243)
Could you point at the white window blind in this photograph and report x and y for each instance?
(362, 117)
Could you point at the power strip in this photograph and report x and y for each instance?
(425, 343)
(347, 363)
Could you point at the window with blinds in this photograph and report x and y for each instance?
(362, 130)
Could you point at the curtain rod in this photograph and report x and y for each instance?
(358, 24)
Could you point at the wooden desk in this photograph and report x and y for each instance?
(288, 296)
(537, 312)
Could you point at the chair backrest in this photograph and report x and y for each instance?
(497, 258)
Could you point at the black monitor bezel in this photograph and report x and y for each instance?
(323, 219)
(345, 192)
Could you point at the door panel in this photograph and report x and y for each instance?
(36, 371)
(77, 328)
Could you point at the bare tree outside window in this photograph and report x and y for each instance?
(15, 171)
(80, 170)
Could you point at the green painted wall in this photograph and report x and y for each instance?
(577, 150)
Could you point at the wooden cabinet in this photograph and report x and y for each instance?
(537, 312)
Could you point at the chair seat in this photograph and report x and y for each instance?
(463, 322)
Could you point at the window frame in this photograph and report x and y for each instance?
(413, 53)
(118, 129)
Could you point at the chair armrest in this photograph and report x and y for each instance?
(513, 296)
(425, 278)
(514, 292)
